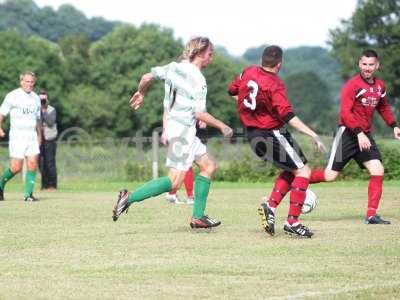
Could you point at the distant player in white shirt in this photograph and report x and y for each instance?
(23, 106)
(185, 104)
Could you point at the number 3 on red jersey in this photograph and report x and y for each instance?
(251, 104)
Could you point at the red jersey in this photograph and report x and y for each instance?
(262, 99)
(359, 99)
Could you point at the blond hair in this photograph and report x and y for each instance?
(23, 74)
(194, 47)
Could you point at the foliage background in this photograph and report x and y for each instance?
(90, 67)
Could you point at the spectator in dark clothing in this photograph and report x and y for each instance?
(48, 148)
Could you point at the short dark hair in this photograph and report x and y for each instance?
(272, 56)
(43, 92)
(369, 53)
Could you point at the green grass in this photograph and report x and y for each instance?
(67, 247)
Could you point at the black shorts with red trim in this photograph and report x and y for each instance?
(345, 147)
(277, 147)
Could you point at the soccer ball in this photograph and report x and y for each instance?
(310, 202)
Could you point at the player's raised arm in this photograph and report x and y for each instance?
(214, 122)
(349, 119)
(39, 132)
(396, 132)
(297, 124)
(4, 111)
(233, 88)
(2, 134)
(387, 115)
(164, 139)
(137, 98)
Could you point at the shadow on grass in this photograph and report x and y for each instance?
(196, 230)
(338, 218)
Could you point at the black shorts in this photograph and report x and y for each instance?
(345, 147)
(277, 147)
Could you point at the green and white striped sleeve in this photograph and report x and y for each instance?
(166, 101)
(200, 100)
(161, 71)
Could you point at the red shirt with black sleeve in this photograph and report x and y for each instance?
(262, 99)
(359, 99)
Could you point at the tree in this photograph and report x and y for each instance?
(253, 55)
(306, 59)
(90, 83)
(313, 80)
(18, 14)
(18, 54)
(318, 61)
(119, 59)
(218, 75)
(375, 24)
(311, 102)
(75, 51)
(117, 62)
(29, 19)
(90, 109)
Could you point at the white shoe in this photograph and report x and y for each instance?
(173, 199)
(190, 200)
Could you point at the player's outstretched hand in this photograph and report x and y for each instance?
(164, 139)
(2, 134)
(396, 132)
(201, 124)
(363, 141)
(136, 100)
(319, 145)
(227, 131)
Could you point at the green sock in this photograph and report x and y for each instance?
(29, 183)
(201, 189)
(151, 188)
(6, 177)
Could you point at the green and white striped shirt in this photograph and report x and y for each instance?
(185, 91)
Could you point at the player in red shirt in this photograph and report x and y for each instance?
(360, 97)
(264, 110)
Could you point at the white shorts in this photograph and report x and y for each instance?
(19, 147)
(184, 147)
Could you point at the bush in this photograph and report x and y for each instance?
(236, 162)
(247, 169)
(391, 159)
(138, 171)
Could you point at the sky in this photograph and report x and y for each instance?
(236, 25)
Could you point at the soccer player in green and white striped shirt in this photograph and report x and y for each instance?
(184, 104)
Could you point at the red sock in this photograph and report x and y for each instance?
(297, 196)
(281, 187)
(189, 182)
(374, 194)
(317, 176)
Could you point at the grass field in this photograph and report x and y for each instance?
(67, 247)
